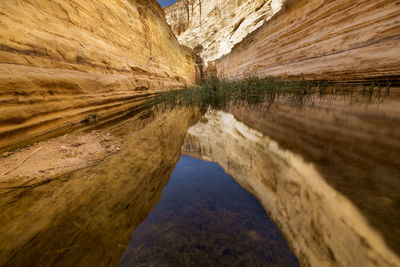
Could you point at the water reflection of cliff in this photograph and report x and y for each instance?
(316, 216)
(87, 217)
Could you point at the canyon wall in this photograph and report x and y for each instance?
(65, 64)
(322, 39)
(217, 24)
(308, 198)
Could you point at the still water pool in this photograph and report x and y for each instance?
(205, 218)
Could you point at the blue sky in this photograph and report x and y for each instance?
(165, 3)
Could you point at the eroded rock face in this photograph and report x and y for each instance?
(322, 226)
(63, 61)
(217, 24)
(322, 39)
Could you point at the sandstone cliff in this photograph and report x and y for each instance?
(65, 64)
(217, 24)
(322, 39)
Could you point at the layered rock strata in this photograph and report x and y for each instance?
(217, 25)
(322, 226)
(64, 62)
(86, 216)
(322, 39)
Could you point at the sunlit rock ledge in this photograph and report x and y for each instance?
(322, 226)
(321, 39)
(62, 62)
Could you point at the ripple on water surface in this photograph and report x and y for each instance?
(205, 218)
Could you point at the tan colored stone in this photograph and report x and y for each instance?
(322, 39)
(61, 61)
(217, 24)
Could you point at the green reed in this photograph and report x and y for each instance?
(218, 93)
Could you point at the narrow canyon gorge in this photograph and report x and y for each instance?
(218, 25)
(318, 39)
(87, 146)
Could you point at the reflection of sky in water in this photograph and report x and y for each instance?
(205, 218)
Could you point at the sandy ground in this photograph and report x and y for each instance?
(29, 165)
(83, 212)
